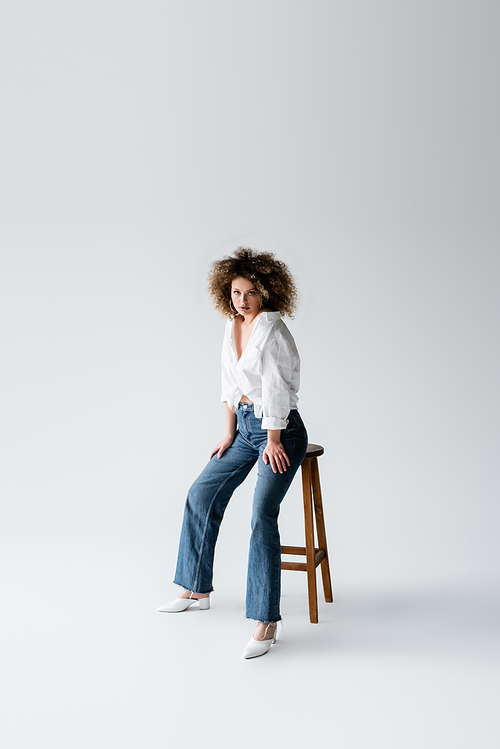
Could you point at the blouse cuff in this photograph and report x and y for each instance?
(272, 422)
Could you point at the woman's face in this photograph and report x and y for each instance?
(245, 297)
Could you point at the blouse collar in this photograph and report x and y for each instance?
(268, 317)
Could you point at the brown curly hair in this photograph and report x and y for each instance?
(271, 278)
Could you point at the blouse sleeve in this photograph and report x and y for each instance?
(279, 362)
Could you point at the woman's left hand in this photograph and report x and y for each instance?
(274, 453)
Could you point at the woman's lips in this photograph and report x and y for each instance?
(245, 309)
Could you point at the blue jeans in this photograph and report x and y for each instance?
(208, 498)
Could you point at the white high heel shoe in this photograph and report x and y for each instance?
(259, 647)
(181, 604)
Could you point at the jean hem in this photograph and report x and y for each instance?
(198, 592)
(264, 621)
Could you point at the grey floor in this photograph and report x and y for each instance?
(88, 662)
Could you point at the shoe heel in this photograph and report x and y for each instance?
(204, 603)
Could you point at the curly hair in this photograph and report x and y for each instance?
(271, 278)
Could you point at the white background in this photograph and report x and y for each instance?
(359, 142)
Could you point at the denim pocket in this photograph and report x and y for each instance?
(295, 426)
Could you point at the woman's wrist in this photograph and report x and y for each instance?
(274, 435)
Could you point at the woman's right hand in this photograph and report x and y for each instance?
(222, 446)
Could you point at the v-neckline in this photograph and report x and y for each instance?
(249, 338)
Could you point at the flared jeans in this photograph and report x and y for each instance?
(208, 498)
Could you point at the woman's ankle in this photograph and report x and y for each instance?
(265, 630)
(188, 594)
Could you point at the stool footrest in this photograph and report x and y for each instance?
(293, 549)
(319, 555)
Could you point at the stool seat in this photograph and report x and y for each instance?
(314, 451)
(315, 555)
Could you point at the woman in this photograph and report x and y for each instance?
(260, 380)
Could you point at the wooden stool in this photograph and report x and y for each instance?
(311, 491)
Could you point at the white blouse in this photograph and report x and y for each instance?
(268, 372)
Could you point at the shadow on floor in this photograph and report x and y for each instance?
(448, 620)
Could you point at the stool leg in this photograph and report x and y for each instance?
(320, 528)
(309, 529)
